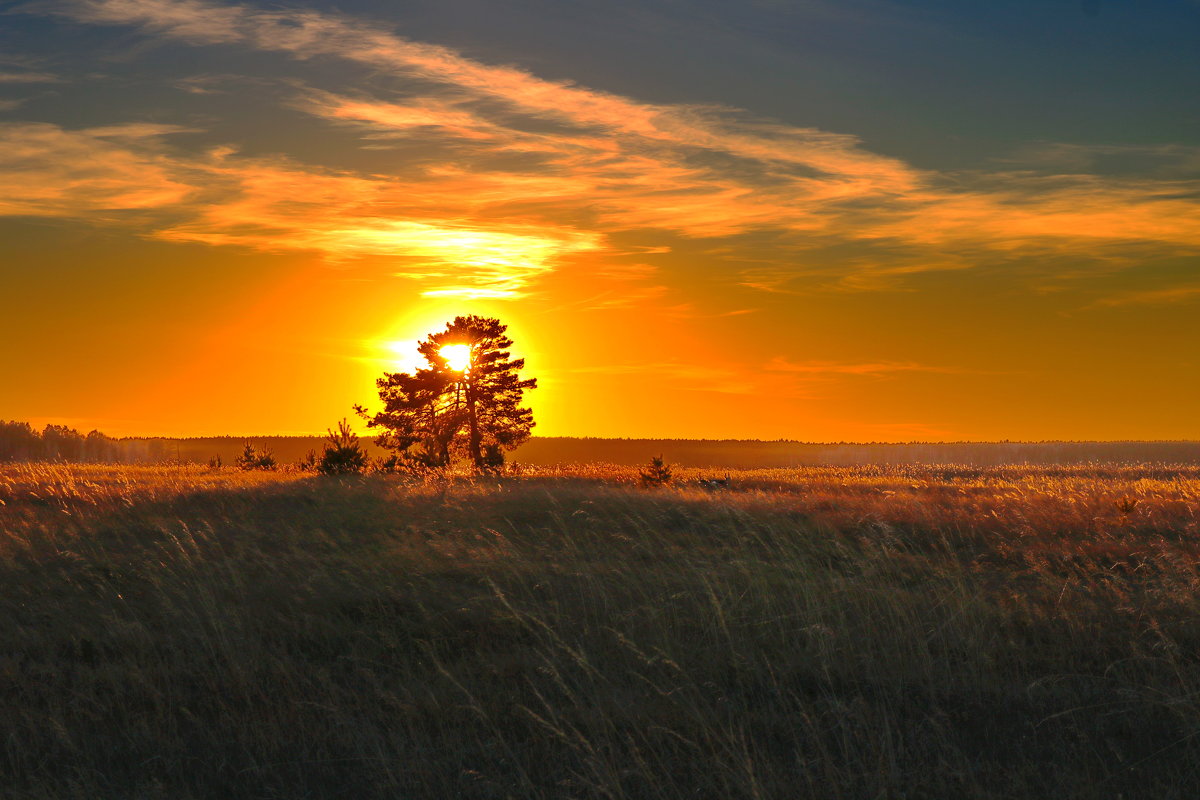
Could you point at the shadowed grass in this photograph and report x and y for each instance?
(868, 632)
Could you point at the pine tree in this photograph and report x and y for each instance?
(343, 454)
(473, 409)
(657, 474)
(253, 458)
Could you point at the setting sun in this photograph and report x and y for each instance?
(458, 356)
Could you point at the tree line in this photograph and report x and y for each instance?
(20, 441)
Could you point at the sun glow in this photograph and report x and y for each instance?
(458, 356)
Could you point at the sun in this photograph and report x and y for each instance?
(458, 356)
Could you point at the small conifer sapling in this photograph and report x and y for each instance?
(657, 474)
(343, 454)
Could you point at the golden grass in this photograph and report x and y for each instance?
(824, 632)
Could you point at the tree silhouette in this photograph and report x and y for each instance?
(254, 458)
(471, 408)
(343, 454)
(657, 474)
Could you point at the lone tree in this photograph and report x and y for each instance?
(467, 400)
(657, 474)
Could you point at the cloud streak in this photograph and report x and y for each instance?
(51, 172)
(522, 173)
(779, 377)
(118, 174)
(1168, 296)
(28, 77)
(833, 368)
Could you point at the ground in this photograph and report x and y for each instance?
(871, 632)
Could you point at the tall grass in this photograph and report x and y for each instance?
(824, 632)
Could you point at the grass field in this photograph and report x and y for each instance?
(870, 632)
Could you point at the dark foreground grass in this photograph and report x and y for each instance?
(857, 633)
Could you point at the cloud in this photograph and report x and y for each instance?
(207, 84)
(1127, 159)
(833, 368)
(685, 377)
(779, 377)
(188, 19)
(543, 170)
(1178, 294)
(399, 119)
(28, 77)
(49, 171)
(276, 205)
(266, 204)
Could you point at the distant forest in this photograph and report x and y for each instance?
(19, 441)
(746, 454)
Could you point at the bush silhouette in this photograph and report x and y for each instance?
(308, 463)
(657, 474)
(253, 458)
(343, 454)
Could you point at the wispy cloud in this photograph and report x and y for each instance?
(779, 377)
(834, 368)
(1179, 294)
(28, 77)
(523, 172)
(221, 199)
(715, 379)
(849, 194)
(1129, 159)
(208, 84)
(49, 171)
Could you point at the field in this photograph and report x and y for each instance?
(825, 632)
(546, 451)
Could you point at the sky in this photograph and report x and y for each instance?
(824, 220)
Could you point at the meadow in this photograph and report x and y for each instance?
(822, 632)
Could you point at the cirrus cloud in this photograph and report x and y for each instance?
(531, 171)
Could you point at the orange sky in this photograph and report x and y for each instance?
(265, 209)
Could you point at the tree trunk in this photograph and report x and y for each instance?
(476, 440)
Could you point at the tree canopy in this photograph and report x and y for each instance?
(462, 403)
(20, 442)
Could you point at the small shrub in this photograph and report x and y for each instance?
(254, 458)
(387, 465)
(415, 463)
(308, 463)
(343, 454)
(657, 474)
(214, 462)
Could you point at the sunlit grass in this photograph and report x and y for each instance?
(826, 632)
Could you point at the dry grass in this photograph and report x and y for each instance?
(870, 632)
